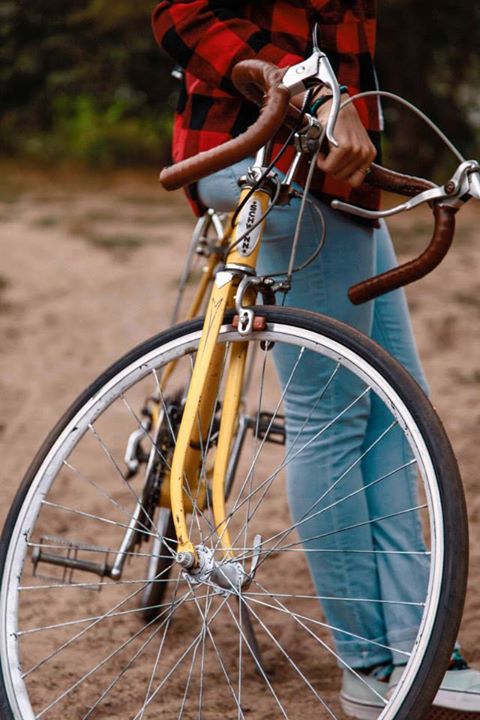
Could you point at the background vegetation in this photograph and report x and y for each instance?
(85, 81)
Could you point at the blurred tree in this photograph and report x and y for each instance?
(428, 52)
(86, 81)
(63, 67)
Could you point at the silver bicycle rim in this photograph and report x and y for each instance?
(15, 686)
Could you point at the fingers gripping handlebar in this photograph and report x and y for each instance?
(261, 82)
(249, 76)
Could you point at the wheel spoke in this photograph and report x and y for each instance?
(293, 664)
(195, 641)
(162, 643)
(92, 516)
(100, 664)
(306, 518)
(260, 669)
(266, 485)
(187, 642)
(110, 499)
(85, 630)
(100, 550)
(91, 618)
(262, 443)
(333, 628)
(350, 527)
(129, 664)
(325, 645)
(297, 596)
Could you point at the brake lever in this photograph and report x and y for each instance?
(306, 75)
(437, 193)
(463, 185)
(465, 181)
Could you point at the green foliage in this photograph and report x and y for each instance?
(102, 137)
(85, 81)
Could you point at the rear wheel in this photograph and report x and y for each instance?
(159, 564)
(252, 637)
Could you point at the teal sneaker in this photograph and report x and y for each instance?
(459, 692)
(362, 695)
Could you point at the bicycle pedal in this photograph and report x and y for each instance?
(68, 558)
(272, 431)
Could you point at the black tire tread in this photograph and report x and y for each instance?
(451, 491)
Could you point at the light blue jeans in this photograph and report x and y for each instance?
(352, 252)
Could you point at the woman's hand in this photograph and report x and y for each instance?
(351, 160)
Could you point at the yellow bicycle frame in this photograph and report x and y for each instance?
(203, 389)
(208, 273)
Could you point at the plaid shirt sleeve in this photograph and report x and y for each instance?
(208, 38)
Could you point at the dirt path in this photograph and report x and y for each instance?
(88, 269)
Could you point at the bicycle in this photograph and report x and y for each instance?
(174, 536)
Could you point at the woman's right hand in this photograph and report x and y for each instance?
(351, 160)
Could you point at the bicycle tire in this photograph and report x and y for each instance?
(154, 593)
(351, 349)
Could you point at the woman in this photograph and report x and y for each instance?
(207, 39)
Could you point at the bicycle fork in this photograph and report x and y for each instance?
(201, 398)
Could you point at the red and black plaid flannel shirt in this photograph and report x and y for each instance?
(208, 37)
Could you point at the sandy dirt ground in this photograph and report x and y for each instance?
(88, 269)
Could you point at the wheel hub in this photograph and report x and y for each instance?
(227, 577)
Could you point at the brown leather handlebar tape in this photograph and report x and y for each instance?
(251, 86)
(391, 181)
(250, 76)
(414, 269)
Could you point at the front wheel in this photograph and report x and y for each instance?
(365, 563)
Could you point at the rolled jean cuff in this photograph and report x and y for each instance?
(402, 641)
(360, 654)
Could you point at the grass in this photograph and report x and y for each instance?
(9, 192)
(135, 199)
(4, 284)
(115, 241)
(466, 378)
(471, 299)
(46, 221)
(101, 216)
(108, 241)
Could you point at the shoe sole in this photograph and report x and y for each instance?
(372, 712)
(458, 702)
